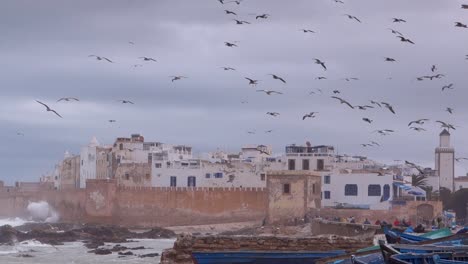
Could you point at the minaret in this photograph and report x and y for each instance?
(445, 161)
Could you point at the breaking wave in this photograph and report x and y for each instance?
(42, 212)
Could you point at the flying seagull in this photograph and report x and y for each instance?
(309, 115)
(367, 120)
(252, 81)
(273, 113)
(336, 91)
(269, 92)
(446, 125)
(269, 131)
(411, 164)
(389, 107)
(460, 159)
(363, 107)
(338, 1)
(459, 24)
(449, 86)
(176, 78)
(418, 129)
(49, 109)
(228, 68)
(264, 16)
(403, 39)
(241, 22)
(125, 101)
(398, 20)
(384, 132)
(321, 78)
(351, 79)
(276, 77)
(343, 101)
(395, 32)
(419, 122)
(147, 59)
(99, 58)
(68, 99)
(375, 103)
(450, 110)
(433, 68)
(352, 17)
(230, 12)
(307, 31)
(112, 120)
(375, 143)
(390, 59)
(317, 61)
(228, 44)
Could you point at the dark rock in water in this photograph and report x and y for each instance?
(151, 255)
(93, 244)
(8, 235)
(158, 232)
(102, 251)
(118, 248)
(137, 248)
(128, 253)
(24, 256)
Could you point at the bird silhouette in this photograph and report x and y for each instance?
(317, 61)
(459, 24)
(176, 78)
(395, 32)
(68, 99)
(398, 20)
(390, 59)
(433, 68)
(460, 159)
(112, 120)
(307, 31)
(309, 115)
(446, 125)
(241, 22)
(100, 58)
(252, 81)
(229, 44)
(384, 132)
(228, 68)
(273, 113)
(389, 107)
(418, 129)
(403, 39)
(125, 101)
(338, 1)
(352, 17)
(49, 109)
(147, 59)
(229, 12)
(264, 16)
(375, 103)
(450, 110)
(321, 78)
(336, 91)
(342, 101)
(419, 121)
(269, 92)
(276, 77)
(365, 119)
(351, 79)
(449, 86)
(363, 107)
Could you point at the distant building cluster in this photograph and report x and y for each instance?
(346, 181)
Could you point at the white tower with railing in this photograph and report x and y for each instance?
(445, 161)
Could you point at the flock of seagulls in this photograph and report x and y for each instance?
(415, 125)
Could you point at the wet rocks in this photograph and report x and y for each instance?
(150, 255)
(8, 235)
(128, 253)
(101, 251)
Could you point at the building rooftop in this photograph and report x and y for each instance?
(444, 133)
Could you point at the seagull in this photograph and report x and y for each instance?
(264, 16)
(311, 115)
(367, 120)
(390, 59)
(403, 39)
(375, 103)
(137, 65)
(251, 81)
(262, 151)
(459, 24)
(459, 159)
(273, 113)
(99, 58)
(450, 110)
(363, 107)
(336, 91)
(395, 32)
(228, 68)
(229, 12)
(241, 22)
(338, 1)
(147, 59)
(321, 78)
(418, 129)
(269, 92)
(317, 61)
(269, 131)
(375, 143)
(307, 31)
(389, 107)
(446, 125)
(125, 101)
(238, 2)
(352, 17)
(176, 78)
(384, 132)
(433, 68)
(276, 77)
(131, 43)
(351, 79)
(398, 20)
(411, 164)
(49, 109)
(437, 76)
(112, 120)
(450, 86)
(419, 122)
(251, 132)
(366, 145)
(68, 99)
(343, 101)
(230, 44)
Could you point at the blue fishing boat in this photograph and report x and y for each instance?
(254, 257)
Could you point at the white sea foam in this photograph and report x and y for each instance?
(13, 221)
(42, 211)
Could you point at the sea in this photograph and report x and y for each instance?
(75, 252)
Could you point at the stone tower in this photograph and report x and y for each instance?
(445, 161)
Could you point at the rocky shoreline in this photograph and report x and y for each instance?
(93, 236)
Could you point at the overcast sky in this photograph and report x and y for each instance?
(44, 48)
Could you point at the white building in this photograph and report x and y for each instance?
(357, 189)
(461, 183)
(174, 166)
(315, 158)
(445, 161)
(95, 162)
